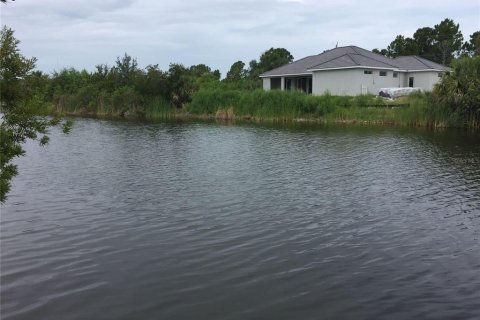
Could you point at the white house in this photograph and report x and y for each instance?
(351, 71)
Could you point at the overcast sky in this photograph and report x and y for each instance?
(81, 34)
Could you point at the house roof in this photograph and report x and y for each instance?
(412, 63)
(352, 57)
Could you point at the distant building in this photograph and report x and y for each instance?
(351, 71)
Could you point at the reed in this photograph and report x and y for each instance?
(158, 108)
(236, 104)
(294, 105)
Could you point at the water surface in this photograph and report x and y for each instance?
(124, 220)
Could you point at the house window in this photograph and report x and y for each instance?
(275, 83)
(383, 73)
(367, 71)
(439, 74)
(395, 74)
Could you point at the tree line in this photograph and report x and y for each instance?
(124, 86)
(440, 44)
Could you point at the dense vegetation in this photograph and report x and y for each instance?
(126, 89)
(414, 110)
(457, 96)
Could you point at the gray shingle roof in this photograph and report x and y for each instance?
(418, 63)
(351, 57)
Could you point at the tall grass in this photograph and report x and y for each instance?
(291, 105)
(158, 108)
(274, 104)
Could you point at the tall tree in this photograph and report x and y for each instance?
(448, 41)
(274, 58)
(237, 72)
(270, 59)
(440, 44)
(126, 67)
(425, 41)
(402, 46)
(199, 70)
(181, 85)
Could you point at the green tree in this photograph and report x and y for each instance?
(425, 42)
(270, 59)
(237, 72)
(440, 44)
(402, 46)
(181, 85)
(20, 120)
(472, 47)
(126, 68)
(155, 82)
(383, 52)
(448, 41)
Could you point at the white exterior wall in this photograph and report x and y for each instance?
(352, 82)
(425, 79)
(403, 79)
(266, 84)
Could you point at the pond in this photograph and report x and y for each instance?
(123, 220)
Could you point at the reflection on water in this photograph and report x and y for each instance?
(201, 221)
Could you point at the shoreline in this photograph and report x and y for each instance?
(185, 116)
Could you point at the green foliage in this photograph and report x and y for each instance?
(236, 73)
(472, 48)
(275, 104)
(418, 109)
(125, 69)
(21, 99)
(449, 40)
(158, 108)
(125, 100)
(402, 46)
(270, 59)
(424, 39)
(126, 89)
(457, 95)
(274, 58)
(440, 43)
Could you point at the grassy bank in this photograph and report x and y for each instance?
(260, 105)
(124, 105)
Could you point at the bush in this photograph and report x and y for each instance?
(125, 100)
(457, 95)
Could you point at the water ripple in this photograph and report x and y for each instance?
(124, 220)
